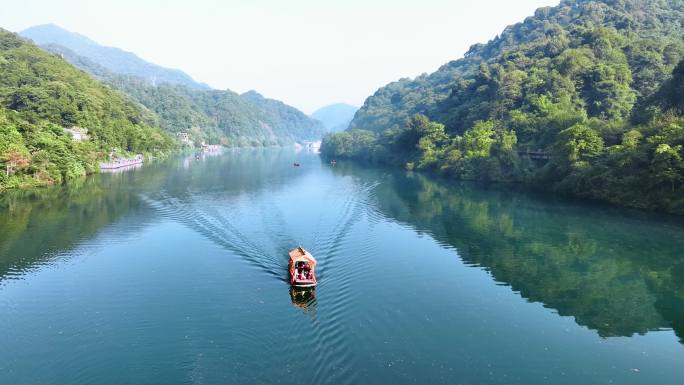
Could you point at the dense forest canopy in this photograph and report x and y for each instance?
(584, 98)
(41, 95)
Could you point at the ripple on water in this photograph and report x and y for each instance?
(325, 337)
(213, 226)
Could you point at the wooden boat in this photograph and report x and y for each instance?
(302, 268)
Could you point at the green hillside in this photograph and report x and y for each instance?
(40, 96)
(213, 116)
(221, 116)
(582, 98)
(283, 119)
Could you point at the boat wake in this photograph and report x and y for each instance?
(216, 227)
(261, 227)
(263, 237)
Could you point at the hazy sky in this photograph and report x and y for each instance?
(308, 53)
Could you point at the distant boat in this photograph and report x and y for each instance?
(302, 268)
(296, 164)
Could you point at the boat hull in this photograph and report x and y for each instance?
(303, 284)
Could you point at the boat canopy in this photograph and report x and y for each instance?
(301, 255)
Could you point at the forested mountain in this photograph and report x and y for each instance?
(600, 55)
(583, 98)
(41, 95)
(213, 116)
(111, 58)
(335, 117)
(281, 117)
(217, 116)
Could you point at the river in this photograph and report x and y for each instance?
(176, 273)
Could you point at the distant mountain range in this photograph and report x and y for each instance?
(336, 117)
(180, 103)
(111, 58)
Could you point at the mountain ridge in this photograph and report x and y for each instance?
(115, 59)
(216, 116)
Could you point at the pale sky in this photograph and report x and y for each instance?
(307, 53)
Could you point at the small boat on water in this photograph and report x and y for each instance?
(296, 164)
(302, 268)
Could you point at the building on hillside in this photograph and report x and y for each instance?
(184, 137)
(310, 145)
(211, 148)
(78, 134)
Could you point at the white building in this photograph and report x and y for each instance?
(78, 134)
(184, 137)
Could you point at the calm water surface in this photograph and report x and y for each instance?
(176, 273)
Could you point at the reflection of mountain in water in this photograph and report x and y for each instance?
(614, 273)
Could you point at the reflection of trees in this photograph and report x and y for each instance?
(37, 224)
(615, 274)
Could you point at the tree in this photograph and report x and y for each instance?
(667, 165)
(432, 140)
(14, 160)
(577, 143)
(478, 141)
